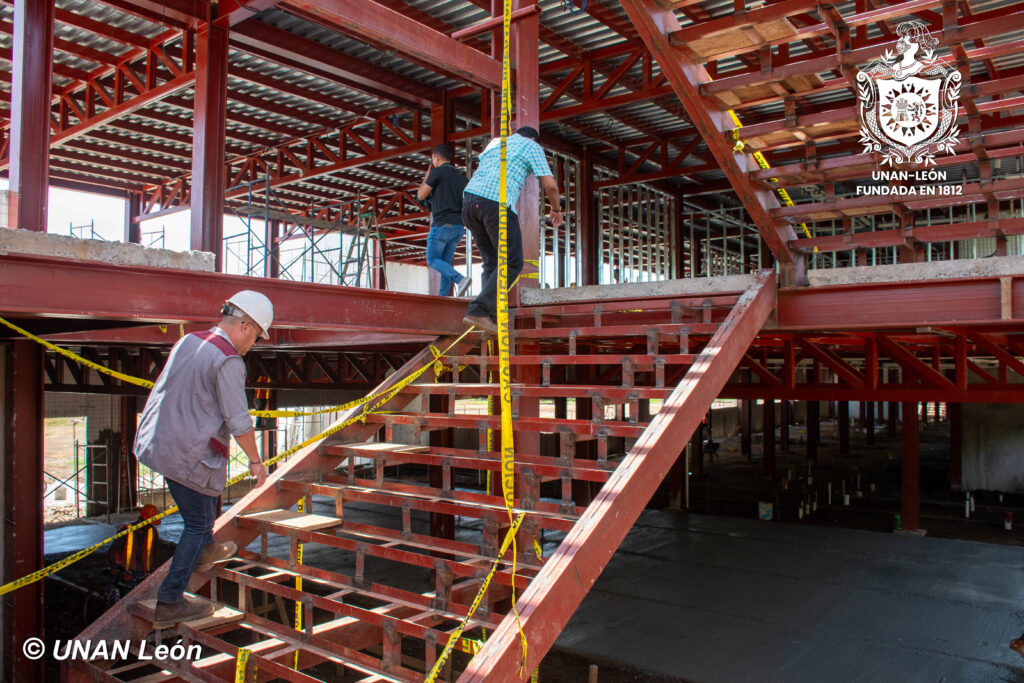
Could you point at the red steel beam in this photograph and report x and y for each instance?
(308, 56)
(36, 286)
(373, 23)
(208, 140)
(30, 113)
(553, 595)
(919, 303)
(232, 12)
(654, 24)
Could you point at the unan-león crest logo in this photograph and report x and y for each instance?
(908, 101)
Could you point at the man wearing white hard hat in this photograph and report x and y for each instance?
(196, 406)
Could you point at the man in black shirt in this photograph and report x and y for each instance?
(441, 190)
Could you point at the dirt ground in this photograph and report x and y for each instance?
(59, 435)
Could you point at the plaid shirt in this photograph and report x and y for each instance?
(524, 157)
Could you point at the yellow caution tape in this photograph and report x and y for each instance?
(241, 663)
(303, 504)
(78, 359)
(382, 398)
(456, 636)
(508, 476)
(763, 163)
(138, 381)
(537, 550)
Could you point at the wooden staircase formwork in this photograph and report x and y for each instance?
(387, 574)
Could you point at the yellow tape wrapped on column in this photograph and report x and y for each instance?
(241, 664)
(508, 474)
(381, 398)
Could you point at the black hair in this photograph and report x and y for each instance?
(444, 151)
(529, 132)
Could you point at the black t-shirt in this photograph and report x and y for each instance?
(445, 199)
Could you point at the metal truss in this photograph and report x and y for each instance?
(950, 365)
(325, 370)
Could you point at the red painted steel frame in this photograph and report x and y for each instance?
(23, 505)
(654, 24)
(208, 141)
(378, 25)
(39, 286)
(916, 303)
(30, 107)
(558, 589)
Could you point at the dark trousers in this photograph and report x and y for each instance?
(480, 216)
(199, 512)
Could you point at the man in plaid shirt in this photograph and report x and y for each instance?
(480, 213)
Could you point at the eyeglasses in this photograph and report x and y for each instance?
(255, 329)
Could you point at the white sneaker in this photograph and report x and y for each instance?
(463, 286)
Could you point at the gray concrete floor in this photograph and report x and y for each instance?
(721, 599)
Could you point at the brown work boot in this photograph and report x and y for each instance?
(214, 553)
(1018, 645)
(482, 322)
(168, 614)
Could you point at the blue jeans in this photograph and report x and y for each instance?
(198, 511)
(442, 241)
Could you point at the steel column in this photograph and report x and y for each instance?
(525, 48)
(813, 430)
(768, 443)
(956, 432)
(869, 423)
(787, 420)
(588, 251)
(843, 422)
(208, 140)
(911, 470)
(23, 503)
(132, 211)
(272, 249)
(745, 447)
(127, 467)
(32, 62)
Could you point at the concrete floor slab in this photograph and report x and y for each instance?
(720, 599)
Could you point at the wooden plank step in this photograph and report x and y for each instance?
(222, 615)
(373, 446)
(292, 519)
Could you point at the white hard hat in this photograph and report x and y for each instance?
(254, 305)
